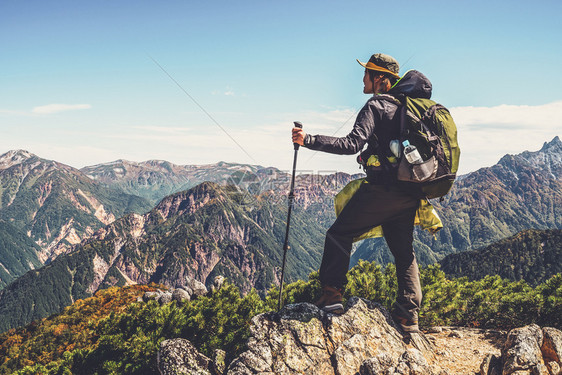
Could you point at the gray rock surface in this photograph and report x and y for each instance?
(412, 362)
(491, 365)
(219, 357)
(377, 365)
(217, 283)
(303, 339)
(522, 350)
(178, 356)
(187, 289)
(147, 296)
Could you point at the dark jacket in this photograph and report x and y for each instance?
(377, 123)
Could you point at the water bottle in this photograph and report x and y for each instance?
(411, 153)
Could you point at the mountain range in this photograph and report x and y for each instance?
(55, 206)
(51, 207)
(234, 228)
(155, 179)
(199, 233)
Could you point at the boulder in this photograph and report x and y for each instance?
(364, 331)
(180, 295)
(217, 283)
(552, 345)
(522, 350)
(147, 296)
(179, 356)
(197, 287)
(528, 350)
(164, 298)
(303, 339)
(187, 289)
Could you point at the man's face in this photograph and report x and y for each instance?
(367, 83)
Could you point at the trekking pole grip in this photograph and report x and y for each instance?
(297, 125)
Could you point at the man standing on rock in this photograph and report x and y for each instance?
(383, 200)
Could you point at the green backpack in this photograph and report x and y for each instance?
(430, 128)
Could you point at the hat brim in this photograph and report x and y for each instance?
(369, 65)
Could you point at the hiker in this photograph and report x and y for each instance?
(383, 201)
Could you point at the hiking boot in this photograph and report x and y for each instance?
(408, 325)
(331, 300)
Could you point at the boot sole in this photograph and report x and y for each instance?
(336, 308)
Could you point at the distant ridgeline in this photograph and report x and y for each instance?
(532, 255)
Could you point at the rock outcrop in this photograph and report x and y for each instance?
(528, 350)
(302, 339)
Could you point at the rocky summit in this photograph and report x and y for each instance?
(301, 339)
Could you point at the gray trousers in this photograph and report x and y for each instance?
(393, 207)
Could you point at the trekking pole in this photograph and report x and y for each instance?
(291, 198)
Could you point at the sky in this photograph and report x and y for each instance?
(197, 82)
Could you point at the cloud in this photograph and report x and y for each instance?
(50, 109)
(488, 133)
(511, 115)
(485, 135)
(226, 92)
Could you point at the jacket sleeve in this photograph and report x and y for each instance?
(350, 144)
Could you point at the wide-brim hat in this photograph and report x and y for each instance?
(382, 63)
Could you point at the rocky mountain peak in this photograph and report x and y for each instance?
(555, 144)
(548, 160)
(189, 201)
(15, 157)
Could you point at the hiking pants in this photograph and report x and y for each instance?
(394, 208)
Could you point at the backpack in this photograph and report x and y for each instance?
(430, 128)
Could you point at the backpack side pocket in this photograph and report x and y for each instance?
(417, 172)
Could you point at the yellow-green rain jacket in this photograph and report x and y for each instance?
(426, 216)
